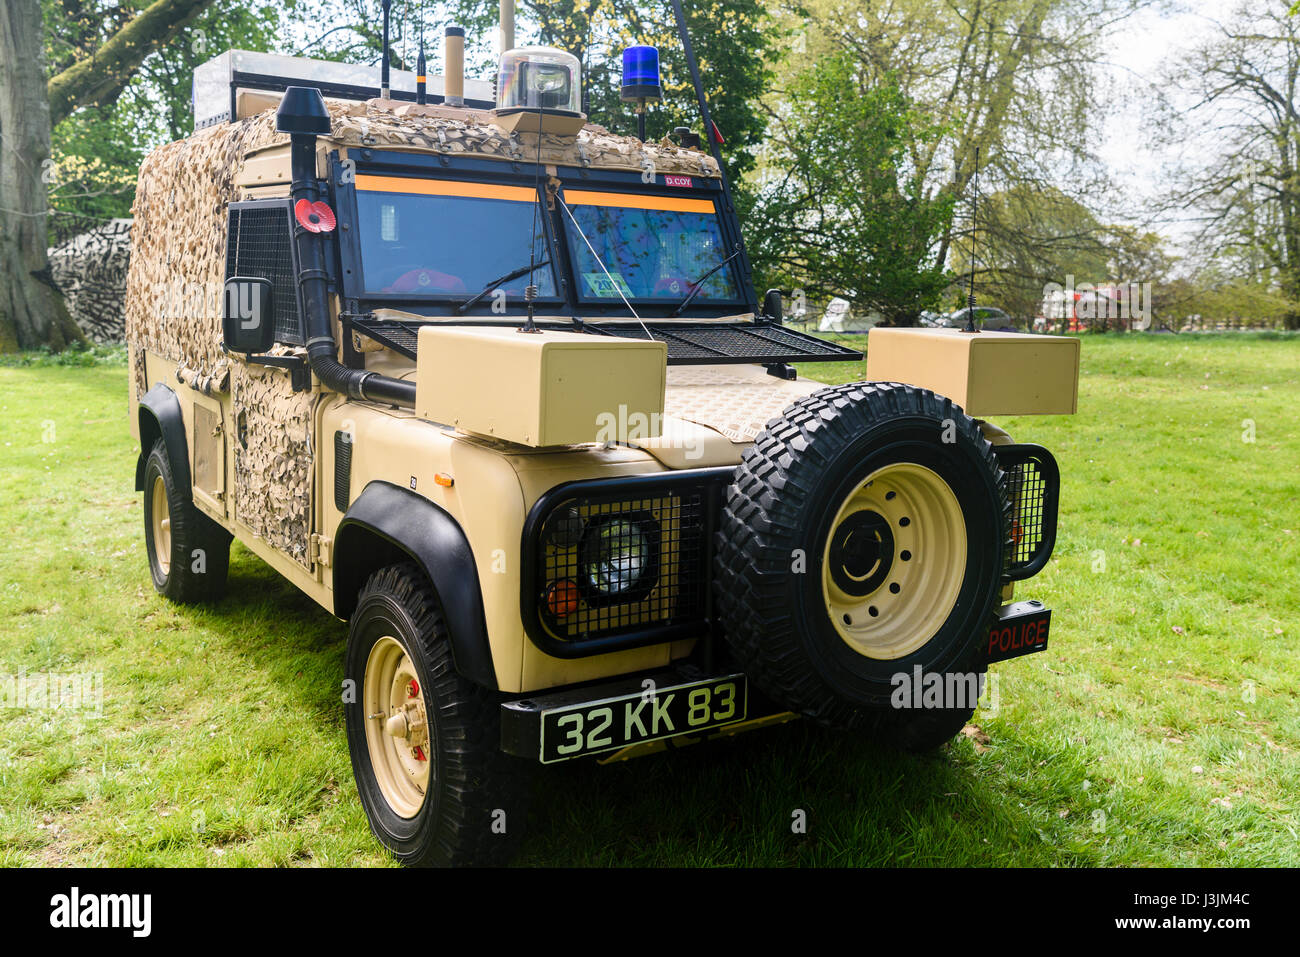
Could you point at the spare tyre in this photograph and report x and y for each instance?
(862, 537)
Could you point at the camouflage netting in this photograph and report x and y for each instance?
(273, 474)
(433, 129)
(90, 271)
(178, 259)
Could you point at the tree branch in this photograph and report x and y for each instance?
(100, 77)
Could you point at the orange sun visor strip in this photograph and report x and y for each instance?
(676, 204)
(444, 187)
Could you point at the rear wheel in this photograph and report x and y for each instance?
(189, 553)
(861, 550)
(425, 742)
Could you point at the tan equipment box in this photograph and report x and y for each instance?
(539, 389)
(986, 373)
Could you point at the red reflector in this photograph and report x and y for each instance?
(314, 217)
(562, 598)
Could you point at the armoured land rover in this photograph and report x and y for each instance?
(494, 386)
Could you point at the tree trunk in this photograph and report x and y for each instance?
(32, 311)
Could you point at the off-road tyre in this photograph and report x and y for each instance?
(192, 561)
(917, 732)
(787, 491)
(475, 803)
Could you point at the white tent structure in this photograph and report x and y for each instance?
(839, 317)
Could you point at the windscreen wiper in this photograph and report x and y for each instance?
(699, 284)
(513, 274)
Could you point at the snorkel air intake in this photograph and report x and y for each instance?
(303, 116)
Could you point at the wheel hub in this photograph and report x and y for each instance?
(894, 561)
(160, 514)
(397, 730)
(862, 553)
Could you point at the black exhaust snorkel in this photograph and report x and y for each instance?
(303, 116)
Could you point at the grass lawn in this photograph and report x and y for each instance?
(1162, 726)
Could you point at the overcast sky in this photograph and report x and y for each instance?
(1143, 51)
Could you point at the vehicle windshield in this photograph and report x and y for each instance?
(653, 247)
(426, 237)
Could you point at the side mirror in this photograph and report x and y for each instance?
(772, 307)
(247, 315)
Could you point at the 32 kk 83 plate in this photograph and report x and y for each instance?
(653, 713)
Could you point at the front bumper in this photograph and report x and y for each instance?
(674, 707)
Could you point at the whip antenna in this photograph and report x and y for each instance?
(420, 77)
(383, 63)
(974, 209)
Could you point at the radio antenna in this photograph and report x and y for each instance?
(420, 78)
(713, 134)
(383, 62)
(530, 291)
(974, 235)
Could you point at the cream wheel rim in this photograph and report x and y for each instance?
(161, 516)
(397, 729)
(894, 560)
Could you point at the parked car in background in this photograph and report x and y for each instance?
(985, 316)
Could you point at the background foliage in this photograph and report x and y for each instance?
(852, 128)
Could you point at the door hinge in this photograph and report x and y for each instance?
(319, 550)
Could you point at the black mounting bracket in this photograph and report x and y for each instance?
(299, 371)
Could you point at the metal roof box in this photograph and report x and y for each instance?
(220, 83)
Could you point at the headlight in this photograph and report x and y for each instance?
(619, 557)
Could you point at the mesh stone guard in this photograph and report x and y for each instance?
(1034, 482)
(666, 519)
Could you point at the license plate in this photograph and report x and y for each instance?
(1021, 630)
(647, 715)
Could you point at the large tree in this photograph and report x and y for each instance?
(1242, 148)
(32, 313)
(1012, 81)
(841, 211)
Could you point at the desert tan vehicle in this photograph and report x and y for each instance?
(494, 386)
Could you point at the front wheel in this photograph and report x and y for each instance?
(425, 742)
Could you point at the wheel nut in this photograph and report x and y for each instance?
(396, 725)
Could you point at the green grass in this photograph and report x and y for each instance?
(1160, 728)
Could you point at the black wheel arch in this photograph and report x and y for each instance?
(388, 524)
(160, 418)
